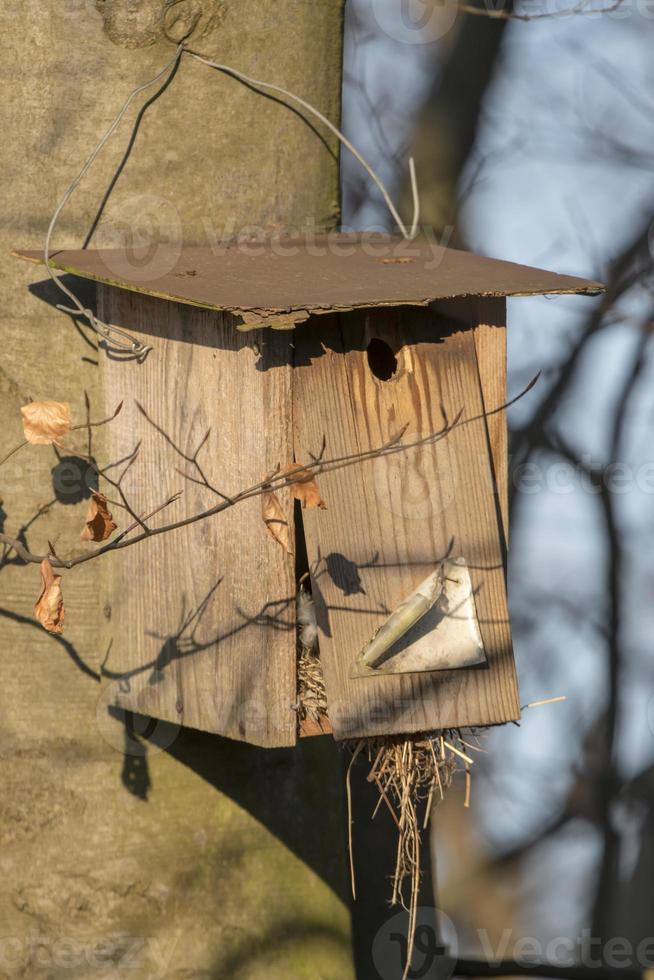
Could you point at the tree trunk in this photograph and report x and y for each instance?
(182, 855)
(446, 128)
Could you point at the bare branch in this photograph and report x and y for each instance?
(275, 481)
(12, 452)
(118, 483)
(140, 521)
(191, 460)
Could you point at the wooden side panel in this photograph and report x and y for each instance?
(203, 617)
(392, 519)
(490, 341)
(487, 317)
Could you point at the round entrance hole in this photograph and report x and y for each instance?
(381, 359)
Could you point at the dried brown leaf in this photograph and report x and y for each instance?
(99, 522)
(303, 486)
(49, 608)
(275, 521)
(45, 423)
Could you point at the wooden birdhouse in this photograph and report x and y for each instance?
(389, 357)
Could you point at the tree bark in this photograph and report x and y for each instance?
(178, 854)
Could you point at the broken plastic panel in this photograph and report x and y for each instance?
(434, 628)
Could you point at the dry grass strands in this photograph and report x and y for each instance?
(311, 694)
(411, 773)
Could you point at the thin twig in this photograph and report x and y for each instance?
(539, 704)
(462, 755)
(348, 792)
(203, 481)
(89, 430)
(13, 451)
(391, 447)
(74, 428)
(257, 83)
(466, 801)
(117, 338)
(140, 521)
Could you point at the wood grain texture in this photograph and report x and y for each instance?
(203, 618)
(489, 318)
(391, 520)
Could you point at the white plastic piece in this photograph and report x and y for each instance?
(434, 628)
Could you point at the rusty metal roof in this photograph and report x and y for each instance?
(282, 282)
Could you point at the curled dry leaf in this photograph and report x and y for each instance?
(275, 521)
(49, 608)
(99, 522)
(303, 486)
(45, 423)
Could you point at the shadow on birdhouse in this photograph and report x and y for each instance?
(286, 350)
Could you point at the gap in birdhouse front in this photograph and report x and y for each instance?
(381, 359)
(311, 695)
(411, 772)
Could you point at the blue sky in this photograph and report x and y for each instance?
(566, 138)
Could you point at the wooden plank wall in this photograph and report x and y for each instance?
(203, 618)
(390, 521)
(489, 317)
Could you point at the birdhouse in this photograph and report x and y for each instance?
(384, 358)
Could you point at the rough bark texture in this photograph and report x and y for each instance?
(186, 856)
